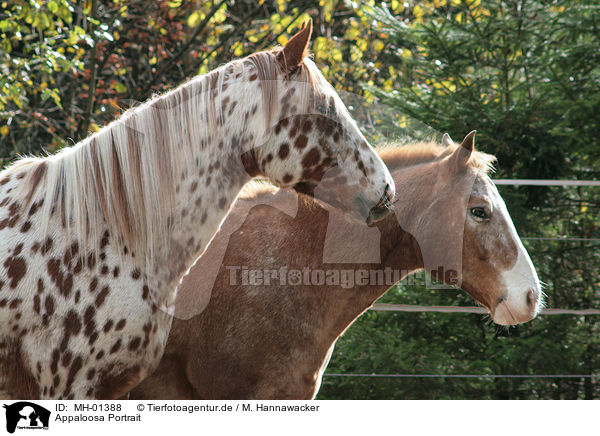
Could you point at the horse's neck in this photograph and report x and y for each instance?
(399, 256)
(203, 194)
(322, 314)
(208, 173)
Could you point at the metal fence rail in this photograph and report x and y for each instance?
(385, 307)
(536, 182)
(490, 376)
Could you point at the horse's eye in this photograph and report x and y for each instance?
(479, 213)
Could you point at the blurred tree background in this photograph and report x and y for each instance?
(525, 74)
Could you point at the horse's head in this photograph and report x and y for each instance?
(311, 142)
(465, 234)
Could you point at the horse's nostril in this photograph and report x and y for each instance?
(386, 199)
(532, 298)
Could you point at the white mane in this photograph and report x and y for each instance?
(123, 177)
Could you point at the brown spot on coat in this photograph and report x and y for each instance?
(101, 296)
(116, 346)
(301, 142)
(121, 324)
(311, 158)
(49, 305)
(15, 269)
(284, 151)
(134, 344)
(107, 326)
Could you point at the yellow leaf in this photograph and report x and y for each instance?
(378, 45)
(448, 84)
(219, 16)
(282, 40)
(4, 130)
(203, 69)
(238, 50)
(303, 18)
(418, 11)
(336, 54)
(355, 54)
(397, 6)
(362, 44)
(352, 33)
(286, 21)
(152, 60)
(195, 18)
(94, 127)
(321, 47)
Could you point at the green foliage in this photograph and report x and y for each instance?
(53, 52)
(527, 77)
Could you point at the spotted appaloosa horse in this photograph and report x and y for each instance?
(94, 240)
(274, 341)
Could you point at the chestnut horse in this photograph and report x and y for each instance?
(259, 339)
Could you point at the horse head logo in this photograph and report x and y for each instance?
(26, 415)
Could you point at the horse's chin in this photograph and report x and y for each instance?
(504, 315)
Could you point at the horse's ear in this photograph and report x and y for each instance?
(296, 48)
(446, 140)
(463, 153)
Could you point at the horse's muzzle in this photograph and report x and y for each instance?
(382, 208)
